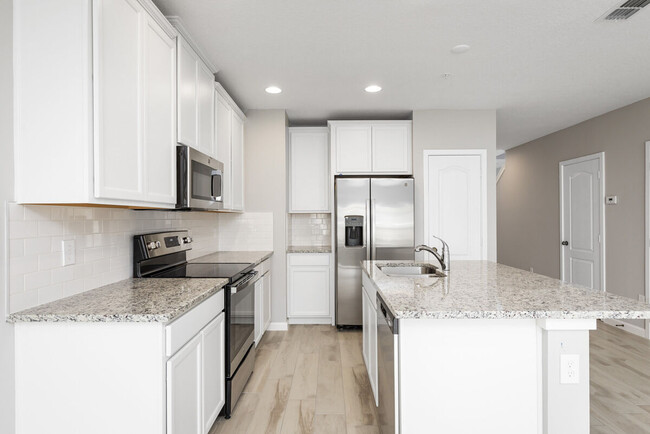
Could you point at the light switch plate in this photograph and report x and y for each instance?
(68, 250)
(569, 369)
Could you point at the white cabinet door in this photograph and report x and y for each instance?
(266, 308)
(214, 370)
(184, 390)
(187, 94)
(117, 81)
(365, 347)
(223, 127)
(372, 349)
(159, 108)
(237, 163)
(205, 109)
(309, 170)
(259, 308)
(309, 291)
(353, 148)
(391, 148)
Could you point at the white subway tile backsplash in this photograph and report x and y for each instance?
(309, 230)
(103, 247)
(246, 231)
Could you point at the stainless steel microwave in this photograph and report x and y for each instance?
(199, 180)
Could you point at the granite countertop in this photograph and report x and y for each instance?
(309, 249)
(235, 257)
(483, 289)
(131, 300)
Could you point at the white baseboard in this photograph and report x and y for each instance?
(278, 326)
(320, 320)
(630, 328)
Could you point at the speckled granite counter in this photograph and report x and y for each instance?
(235, 257)
(309, 249)
(482, 289)
(131, 300)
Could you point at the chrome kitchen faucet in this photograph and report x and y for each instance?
(443, 259)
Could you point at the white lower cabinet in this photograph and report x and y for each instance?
(262, 300)
(214, 368)
(184, 390)
(309, 288)
(370, 341)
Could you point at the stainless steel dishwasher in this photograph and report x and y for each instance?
(387, 367)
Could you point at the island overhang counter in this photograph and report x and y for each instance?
(481, 349)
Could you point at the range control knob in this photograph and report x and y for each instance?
(187, 240)
(153, 245)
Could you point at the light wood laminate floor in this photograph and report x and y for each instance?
(312, 379)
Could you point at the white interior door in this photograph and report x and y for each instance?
(455, 210)
(582, 204)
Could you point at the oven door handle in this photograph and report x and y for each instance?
(244, 282)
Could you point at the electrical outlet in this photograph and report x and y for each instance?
(68, 250)
(611, 200)
(569, 369)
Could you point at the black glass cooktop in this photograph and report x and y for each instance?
(233, 272)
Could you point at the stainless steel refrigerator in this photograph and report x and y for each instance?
(374, 220)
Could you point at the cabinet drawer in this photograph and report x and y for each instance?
(309, 258)
(180, 331)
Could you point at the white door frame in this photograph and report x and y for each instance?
(647, 232)
(600, 156)
(484, 214)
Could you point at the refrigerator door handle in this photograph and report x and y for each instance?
(373, 247)
(366, 224)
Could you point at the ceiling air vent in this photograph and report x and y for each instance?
(624, 11)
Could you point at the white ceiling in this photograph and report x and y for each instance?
(544, 65)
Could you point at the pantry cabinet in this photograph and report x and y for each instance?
(309, 288)
(371, 147)
(229, 133)
(309, 171)
(101, 129)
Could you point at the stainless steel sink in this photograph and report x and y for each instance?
(415, 270)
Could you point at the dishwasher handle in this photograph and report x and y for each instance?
(388, 316)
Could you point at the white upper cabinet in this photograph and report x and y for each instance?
(229, 134)
(353, 145)
(309, 170)
(237, 169)
(101, 129)
(371, 147)
(195, 100)
(391, 148)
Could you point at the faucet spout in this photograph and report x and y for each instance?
(443, 258)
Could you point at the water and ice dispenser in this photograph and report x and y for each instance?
(353, 230)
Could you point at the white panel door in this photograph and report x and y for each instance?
(237, 163)
(117, 35)
(581, 204)
(309, 291)
(214, 370)
(309, 170)
(353, 148)
(187, 94)
(266, 312)
(223, 127)
(160, 106)
(184, 392)
(455, 204)
(205, 109)
(391, 148)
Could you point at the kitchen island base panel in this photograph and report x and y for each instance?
(469, 376)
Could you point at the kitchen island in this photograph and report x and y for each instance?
(481, 349)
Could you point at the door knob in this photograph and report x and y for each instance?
(565, 243)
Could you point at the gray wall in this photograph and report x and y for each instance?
(528, 196)
(265, 190)
(6, 194)
(455, 129)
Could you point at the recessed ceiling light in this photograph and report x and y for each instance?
(373, 88)
(273, 89)
(458, 49)
(446, 76)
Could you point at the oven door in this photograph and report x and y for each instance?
(240, 320)
(200, 180)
